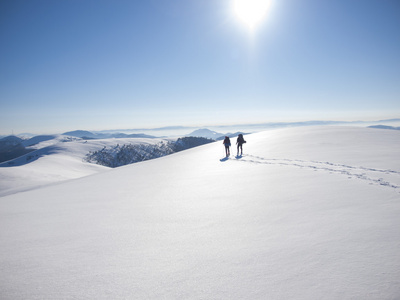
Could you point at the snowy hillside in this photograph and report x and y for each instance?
(11, 147)
(55, 159)
(305, 213)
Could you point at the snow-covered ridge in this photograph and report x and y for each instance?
(305, 213)
(53, 160)
(12, 147)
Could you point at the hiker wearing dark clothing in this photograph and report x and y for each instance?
(239, 142)
(227, 143)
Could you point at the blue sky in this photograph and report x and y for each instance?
(79, 64)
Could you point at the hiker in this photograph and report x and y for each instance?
(240, 141)
(227, 143)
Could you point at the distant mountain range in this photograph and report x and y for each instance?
(247, 127)
(384, 127)
(210, 134)
(204, 132)
(90, 135)
(182, 130)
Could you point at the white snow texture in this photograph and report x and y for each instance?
(305, 213)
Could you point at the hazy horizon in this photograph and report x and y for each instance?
(222, 128)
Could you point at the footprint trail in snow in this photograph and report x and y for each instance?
(371, 175)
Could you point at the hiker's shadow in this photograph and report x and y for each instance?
(227, 158)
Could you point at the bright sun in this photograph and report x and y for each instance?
(251, 12)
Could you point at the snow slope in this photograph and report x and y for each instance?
(55, 159)
(307, 213)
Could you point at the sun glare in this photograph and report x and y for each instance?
(251, 12)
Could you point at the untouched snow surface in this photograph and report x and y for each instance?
(307, 213)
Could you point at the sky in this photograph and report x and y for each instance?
(95, 65)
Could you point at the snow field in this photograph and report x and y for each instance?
(277, 223)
